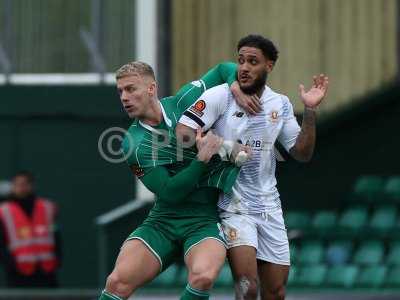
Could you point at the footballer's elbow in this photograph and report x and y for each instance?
(303, 155)
(304, 159)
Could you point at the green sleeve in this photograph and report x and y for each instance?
(189, 93)
(174, 188)
(221, 73)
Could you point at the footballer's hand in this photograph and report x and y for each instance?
(237, 148)
(250, 103)
(314, 96)
(207, 145)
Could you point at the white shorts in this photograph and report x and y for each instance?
(264, 231)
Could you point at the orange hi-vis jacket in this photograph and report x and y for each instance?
(30, 240)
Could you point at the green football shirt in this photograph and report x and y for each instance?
(173, 173)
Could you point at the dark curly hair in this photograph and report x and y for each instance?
(258, 41)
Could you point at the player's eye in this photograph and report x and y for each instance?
(241, 60)
(130, 89)
(253, 62)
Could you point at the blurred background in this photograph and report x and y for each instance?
(58, 96)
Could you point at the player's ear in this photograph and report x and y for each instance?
(270, 65)
(152, 88)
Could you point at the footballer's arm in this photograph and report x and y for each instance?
(177, 187)
(305, 142)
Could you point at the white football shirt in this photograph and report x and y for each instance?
(255, 189)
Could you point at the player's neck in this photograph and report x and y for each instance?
(260, 91)
(154, 114)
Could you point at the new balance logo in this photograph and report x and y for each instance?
(238, 114)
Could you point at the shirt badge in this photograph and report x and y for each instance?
(139, 172)
(198, 108)
(232, 234)
(274, 116)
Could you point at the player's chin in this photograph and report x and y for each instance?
(246, 82)
(247, 87)
(132, 115)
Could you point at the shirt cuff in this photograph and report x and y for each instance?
(198, 165)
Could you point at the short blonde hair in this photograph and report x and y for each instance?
(135, 67)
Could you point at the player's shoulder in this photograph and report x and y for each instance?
(167, 100)
(274, 96)
(271, 94)
(222, 88)
(168, 103)
(219, 91)
(278, 102)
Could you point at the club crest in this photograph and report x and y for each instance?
(274, 116)
(232, 234)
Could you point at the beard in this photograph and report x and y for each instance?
(258, 84)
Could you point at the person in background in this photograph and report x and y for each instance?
(30, 246)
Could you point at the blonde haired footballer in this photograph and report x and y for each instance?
(184, 219)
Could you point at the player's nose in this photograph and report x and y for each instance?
(245, 68)
(243, 73)
(124, 97)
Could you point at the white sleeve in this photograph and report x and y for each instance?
(207, 109)
(291, 129)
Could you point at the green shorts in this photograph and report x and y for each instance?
(168, 239)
